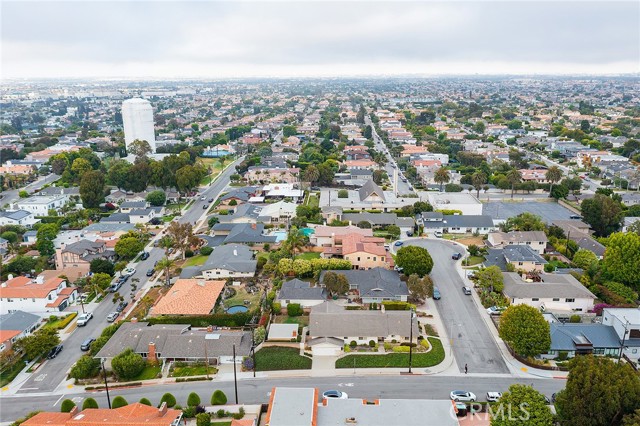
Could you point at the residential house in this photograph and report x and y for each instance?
(37, 296)
(283, 332)
(370, 192)
(16, 325)
(240, 195)
(280, 191)
(375, 285)
(582, 339)
(142, 215)
(363, 252)
(324, 235)
(580, 233)
(189, 297)
(465, 203)
(626, 323)
(243, 213)
(134, 414)
(280, 212)
(264, 175)
(30, 237)
(455, 224)
(19, 217)
(301, 292)
(81, 253)
(230, 261)
(537, 240)
(244, 233)
(177, 342)
(522, 258)
(129, 206)
(40, 206)
(380, 220)
(548, 292)
(534, 175)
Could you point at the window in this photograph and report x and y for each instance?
(520, 263)
(569, 300)
(9, 300)
(375, 258)
(217, 272)
(556, 299)
(535, 299)
(360, 338)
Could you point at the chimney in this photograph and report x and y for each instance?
(253, 226)
(209, 328)
(151, 356)
(134, 320)
(73, 411)
(9, 277)
(163, 409)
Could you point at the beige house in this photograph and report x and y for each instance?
(80, 254)
(537, 240)
(364, 252)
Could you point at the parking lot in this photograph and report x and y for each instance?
(548, 211)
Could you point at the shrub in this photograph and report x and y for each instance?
(118, 402)
(67, 405)
(343, 193)
(218, 398)
(221, 413)
(85, 367)
(372, 343)
(188, 253)
(145, 401)
(353, 343)
(563, 355)
(193, 399)
(276, 307)
(169, 399)
(401, 348)
(239, 414)
(128, 364)
(189, 412)
(206, 251)
(89, 403)
(294, 310)
(575, 319)
(203, 419)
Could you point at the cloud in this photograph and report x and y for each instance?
(226, 39)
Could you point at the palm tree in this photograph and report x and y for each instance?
(295, 239)
(311, 174)
(553, 175)
(441, 176)
(478, 179)
(514, 177)
(165, 264)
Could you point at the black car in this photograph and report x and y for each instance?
(86, 345)
(54, 352)
(456, 256)
(121, 307)
(150, 272)
(144, 256)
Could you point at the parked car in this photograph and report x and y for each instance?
(86, 345)
(210, 200)
(459, 395)
(493, 396)
(203, 198)
(145, 255)
(115, 286)
(335, 394)
(121, 307)
(456, 256)
(206, 206)
(129, 271)
(398, 243)
(55, 351)
(466, 290)
(409, 234)
(83, 319)
(113, 316)
(150, 272)
(471, 274)
(438, 234)
(398, 268)
(495, 310)
(436, 293)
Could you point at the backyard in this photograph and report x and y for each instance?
(240, 297)
(308, 255)
(285, 319)
(195, 260)
(313, 200)
(281, 358)
(396, 360)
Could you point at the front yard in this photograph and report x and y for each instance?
(151, 371)
(281, 358)
(181, 369)
(195, 260)
(396, 360)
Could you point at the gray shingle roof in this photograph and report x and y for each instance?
(133, 205)
(245, 233)
(301, 290)
(375, 282)
(553, 285)
(16, 215)
(18, 321)
(379, 219)
(468, 221)
(565, 336)
(368, 189)
(522, 254)
(231, 257)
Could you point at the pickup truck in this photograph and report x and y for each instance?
(83, 319)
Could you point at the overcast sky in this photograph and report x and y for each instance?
(218, 39)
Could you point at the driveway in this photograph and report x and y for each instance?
(472, 341)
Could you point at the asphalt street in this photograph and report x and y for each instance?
(469, 336)
(12, 196)
(254, 391)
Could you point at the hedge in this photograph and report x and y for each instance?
(393, 305)
(222, 320)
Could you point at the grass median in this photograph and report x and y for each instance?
(396, 360)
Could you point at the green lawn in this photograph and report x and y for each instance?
(193, 370)
(149, 372)
(62, 322)
(313, 201)
(241, 296)
(308, 255)
(7, 375)
(395, 360)
(221, 423)
(195, 260)
(474, 260)
(281, 358)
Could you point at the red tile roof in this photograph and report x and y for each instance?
(189, 297)
(135, 414)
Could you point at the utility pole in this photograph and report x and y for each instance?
(411, 341)
(235, 378)
(624, 337)
(106, 385)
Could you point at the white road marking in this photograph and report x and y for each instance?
(59, 399)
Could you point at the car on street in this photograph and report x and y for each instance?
(493, 396)
(83, 319)
(456, 256)
(129, 271)
(466, 290)
(495, 310)
(203, 198)
(113, 316)
(86, 345)
(460, 395)
(206, 206)
(398, 243)
(438, 234)
(55, 351)
(121, 307)
(336, 394)
(145, 255)
(436, 293)
(115, 286)
(210, 200)
(150, 272)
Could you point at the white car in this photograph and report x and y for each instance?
(459, 395)
(335, 394)
(129, 271)
(438, 234)
(493, 396)
(203, 198)
(495, 310)
(84, 319)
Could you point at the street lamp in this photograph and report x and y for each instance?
(411, 340)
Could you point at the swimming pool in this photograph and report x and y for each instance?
(237, 309)
(307, 231)
(280, 235)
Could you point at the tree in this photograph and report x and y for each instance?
(622, 257)
(477, 180)
(326, 174)
(441, 176)
(603, 213)
(165, 264)
(343, 193)
(118, 402)
(67, 405)
(79, 167)
(422, 206)
(599, 391)
(559, 191)
(490, 279)
(632, 419)
(98, 265)
(573, 184)
(145, 401)
(311, 174)
(218, 398)
(92, 189)
(129, 247)
(584, 259)
(203, 419)
(419, 288)
(127, 364)
(140, 148)
(295, 240)
(38, 343)
(213, 220)
(522, 405)
(335, 283)
(414, 260)
(182, 236)
(157, 198)
(193, 400)
(99, 282)
(89, 403)
(553, 175)
(44, 238)
(514, 177)
(85, 367)
(189, 177)
(169, 399)
(524, 222)
(118, 174)
(524, 328)
(393, 231)
(22, 264)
